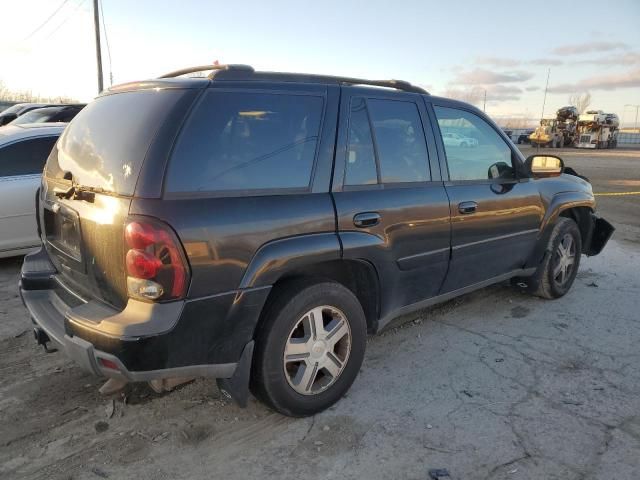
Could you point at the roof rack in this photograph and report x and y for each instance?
(204, 68)
(237, 71)
(397, 84)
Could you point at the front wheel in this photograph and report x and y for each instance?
(309, 348)
(556, 274)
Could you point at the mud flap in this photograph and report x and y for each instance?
(237, 387)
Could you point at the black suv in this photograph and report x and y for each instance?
(254, 226)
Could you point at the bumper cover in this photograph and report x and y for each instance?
(192, 338)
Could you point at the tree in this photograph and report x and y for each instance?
(581, 101)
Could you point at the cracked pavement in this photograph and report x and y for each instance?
(493, 385)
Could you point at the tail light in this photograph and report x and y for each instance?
(157, 268)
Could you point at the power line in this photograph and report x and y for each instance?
(67, 18)
(64, 2)
(106, 40)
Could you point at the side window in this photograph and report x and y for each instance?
(26, 157)
(473, 149)
(247, 141)
(402, 149)
(361, 160)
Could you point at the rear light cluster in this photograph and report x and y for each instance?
(157, 269)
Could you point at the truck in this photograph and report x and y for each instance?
(597, 129)
(556, 132)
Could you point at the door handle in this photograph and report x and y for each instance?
(366, 219)
(467, 207)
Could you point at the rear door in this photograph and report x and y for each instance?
(21, 165)
(391, 204)
(495, 211)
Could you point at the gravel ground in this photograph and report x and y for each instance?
(493, 385)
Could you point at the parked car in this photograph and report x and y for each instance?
(57, 114)
(456, 140)
(23, 152)
(8, 115)
(254, 226)
(524, 137)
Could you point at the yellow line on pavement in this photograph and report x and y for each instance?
(615, 194)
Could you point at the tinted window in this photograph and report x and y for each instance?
(247, 141)
(401, 146)
(361, 161)
(473, 148)
(38, 115)
(66, 115)
(26, 156)
(106, 144)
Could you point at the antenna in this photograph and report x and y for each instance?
(544, 101)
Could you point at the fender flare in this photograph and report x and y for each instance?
(277, 257)
(559, 203)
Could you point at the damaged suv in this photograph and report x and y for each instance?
(253, 227)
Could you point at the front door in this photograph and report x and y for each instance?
(495, 212)
(391, 204)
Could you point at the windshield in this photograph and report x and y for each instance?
(106, 143)
(39, 115)
(12, 109)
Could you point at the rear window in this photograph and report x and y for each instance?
(105, 145)
(247, 141)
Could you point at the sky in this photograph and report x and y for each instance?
(460, 48)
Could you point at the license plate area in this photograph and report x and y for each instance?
(62, 229)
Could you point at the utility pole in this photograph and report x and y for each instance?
(484, 105)
(635, 125)
(96, 25)
(545, 93)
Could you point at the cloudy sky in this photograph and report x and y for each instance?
(459, 48)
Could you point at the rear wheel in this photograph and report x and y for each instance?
(309, 348)
(556, 274)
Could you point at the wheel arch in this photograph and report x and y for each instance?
(358, 276)
(574, 205)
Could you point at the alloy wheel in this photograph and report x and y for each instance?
(317, 350)
(565, 259)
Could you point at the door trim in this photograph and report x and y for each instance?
(522, 272)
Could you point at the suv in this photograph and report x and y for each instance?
(254, 226)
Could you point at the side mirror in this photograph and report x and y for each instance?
(542, 166)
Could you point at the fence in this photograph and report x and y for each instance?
(625, 137)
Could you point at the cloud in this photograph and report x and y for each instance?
(631, 58)
(475, 94)
(629, 79)
(546, 61)
(503, 93)
(589, 47)
(498, 61)
(531, 88)
(480, 76)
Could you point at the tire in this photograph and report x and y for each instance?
(282, 383)
(546, 282)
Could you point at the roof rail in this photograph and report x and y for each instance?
(397, 84)
(204, 68)
(246, 69)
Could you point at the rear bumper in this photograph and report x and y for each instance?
(191, 338)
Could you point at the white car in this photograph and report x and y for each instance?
(23, 152)
(457, 140)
